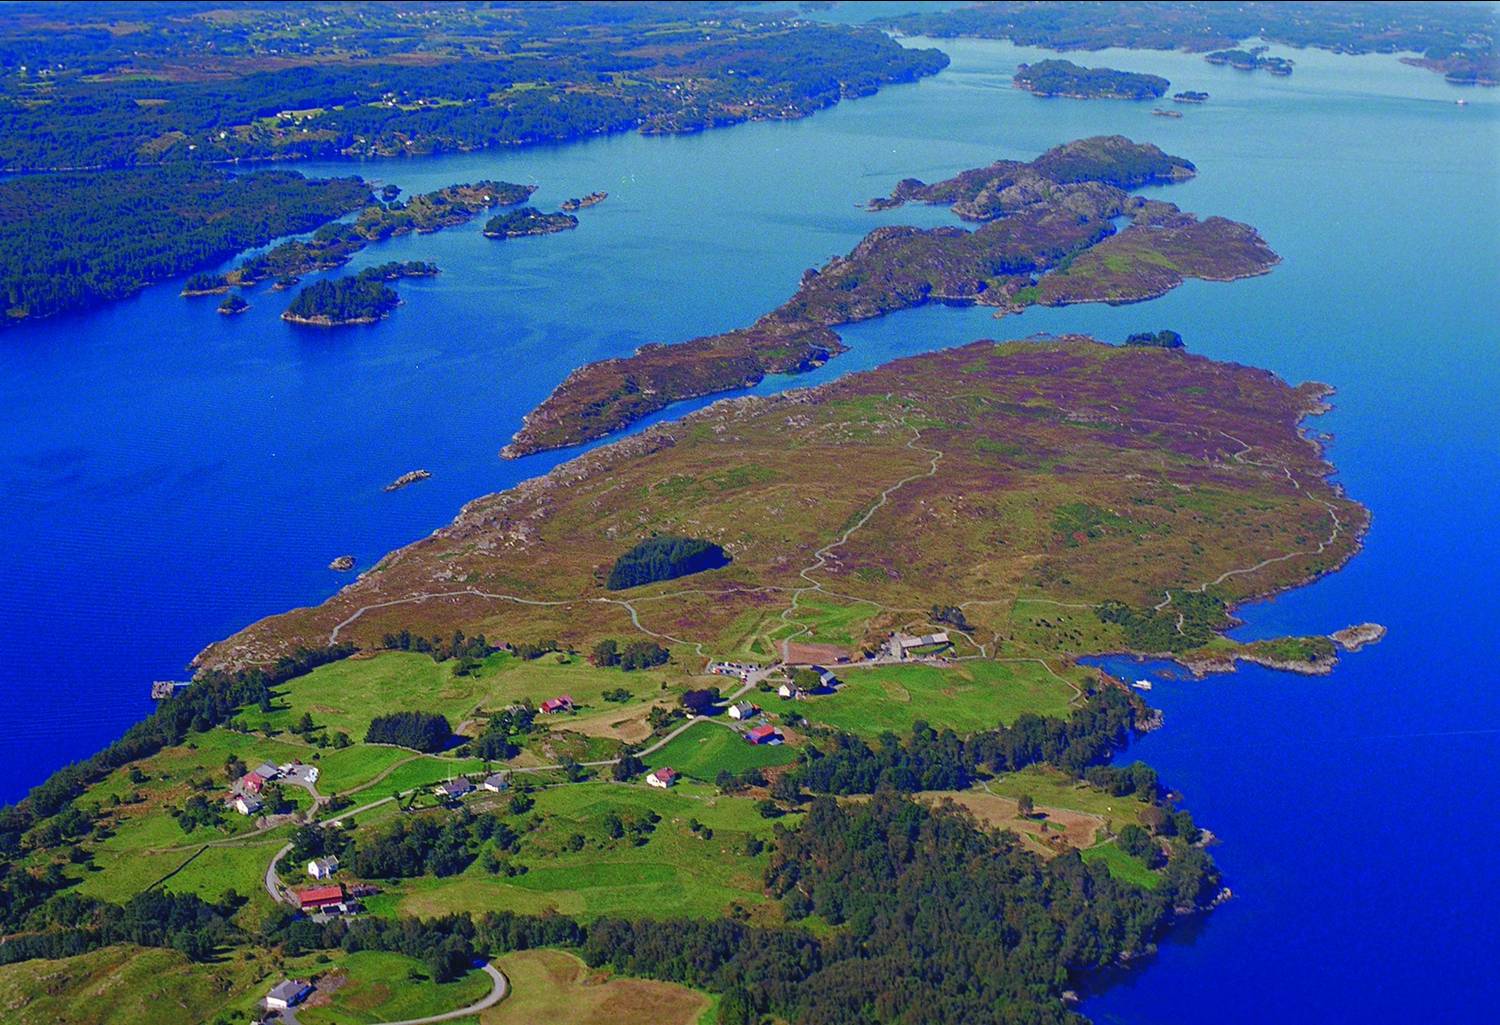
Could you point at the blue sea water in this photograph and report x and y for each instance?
(169, 475)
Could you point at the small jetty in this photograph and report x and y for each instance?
(407, 479)
(163, 689)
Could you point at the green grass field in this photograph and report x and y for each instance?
(1123, 866)
(1054, 789)
(677, 871)
(708, 748)
(346, 695)
(972, 696)
(554, 987)
(125, 985)
(371, 986)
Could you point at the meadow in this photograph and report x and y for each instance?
(555, 987)
(708, 749)
(967, 697)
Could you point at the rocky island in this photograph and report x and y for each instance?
(1254, 59)
(407, 479)
(1073, 81)
(343, 564)
(232, 305)
(333, 245)
(1190, 96)
(361, 299)
(527, 221)
(592, 199)
(1045, 237)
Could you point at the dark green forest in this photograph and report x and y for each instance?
(68, 241)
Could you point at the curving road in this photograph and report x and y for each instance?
(497, 993)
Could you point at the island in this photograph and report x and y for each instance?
(527, 221)
(1254, 59)
(1046, 237)
(342, 564)
(333, 245)
(204, 283)
(233, 304)
(407, 479)
(1164, 339)
(592, 199)
(1159, 112)
(111, 233)
(1073, 81)
(1460, 44)
(1190, 96)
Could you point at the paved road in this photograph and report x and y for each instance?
(497, 992)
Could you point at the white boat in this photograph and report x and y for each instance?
(1142, 685)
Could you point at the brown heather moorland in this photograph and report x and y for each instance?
(1023, 481)
(1046, 238)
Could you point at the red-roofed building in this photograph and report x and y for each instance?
(251, 782)
(315, 897)
(765, 734)
(662, 778)
(558, 704)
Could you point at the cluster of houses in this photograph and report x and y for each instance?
(245, 797)
(454, 789)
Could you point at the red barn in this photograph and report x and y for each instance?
(316, 897)
(765, 734)
(251, 782)
(558, 704)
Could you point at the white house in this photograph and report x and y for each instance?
(662, 778)
(787, 690)
(497, 782)
(287, 993)
(453, 789)
(246, 804)
(742, 710)
(323, 868)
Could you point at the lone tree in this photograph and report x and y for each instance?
(1024, 806)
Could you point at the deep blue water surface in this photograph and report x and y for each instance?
(169, 475)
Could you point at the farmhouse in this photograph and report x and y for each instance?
(662, 778)
(561, 703)
(903, 645)
(496, 782)
(765, 734)
(317, 898)
(453, 789)
(743, 710)
(252, 782)
(246, 804)
(287, 993)
(323, 868)
(788, 690)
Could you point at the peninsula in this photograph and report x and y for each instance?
(1073, 81)
(1046, 237)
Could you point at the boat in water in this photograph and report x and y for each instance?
(1142, 685)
